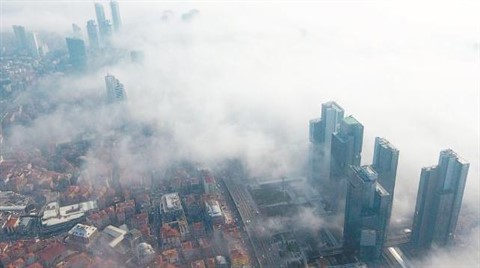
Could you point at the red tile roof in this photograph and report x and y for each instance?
(48, 254)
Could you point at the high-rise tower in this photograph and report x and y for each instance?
(439, 200)
(93, 34)
(366, 214)
(346, 147)
(20, 36)
(385, 162)
(77, 53)
(321, 130)
(115, 90)
(100, 13)
(117, 20)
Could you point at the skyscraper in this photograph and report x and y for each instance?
(93, 34)
(366, 214)
(117, 20)
(77, 53)
(385, 161)
(77, 31)
(321, 130)
(439, 200)
(100, 12)
(32, 45)
(346, 147)
(115, 89)
(20, 37)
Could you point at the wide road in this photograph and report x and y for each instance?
(266, 255)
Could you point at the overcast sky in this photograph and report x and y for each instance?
(244, 78)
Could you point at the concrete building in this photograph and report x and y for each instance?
(171, 207)
(214, 211)
(439, 200)
(82, 236)
(56, 218)
(144, 253)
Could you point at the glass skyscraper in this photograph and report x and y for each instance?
(117, 20)
(439, 200)
(366, 214)
(77, 53)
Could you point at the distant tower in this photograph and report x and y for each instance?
(366, 214)
(321, 130)
(32, 45)
(100, 12)
(439, 200)
(108, 30)
(115, 90)
(77, 31)
(77, 53)
(20, 37)
(385, 161)
(117, 20)
(93, 34)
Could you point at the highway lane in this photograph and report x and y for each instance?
(266, 255)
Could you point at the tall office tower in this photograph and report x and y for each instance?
(108, 29)
(385, 162)
(77, 31)
(439, 200)
(115, 90)
(345, 152)
(21, 37)
(32, 45)
(77, 53)
(366, 214)
(93, 35)
(100, 12)
(346, 147)
(117, 20)
(321, 130)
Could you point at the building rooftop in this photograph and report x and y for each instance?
(368, 173)
(81, 230)
(350, 120)
(54, 214)
(213, 208)
(385, 144)
(11, 201)
(332, 104)
(171, 202)
(382, 192)
(451, 154)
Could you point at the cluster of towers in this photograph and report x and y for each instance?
(99, 35)
(335, 165)
(28, 43)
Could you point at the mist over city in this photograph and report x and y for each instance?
(239, 134)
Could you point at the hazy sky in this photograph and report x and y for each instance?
(244, 78)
